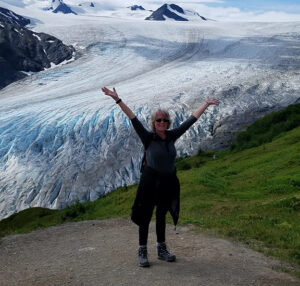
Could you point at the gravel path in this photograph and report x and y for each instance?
(105, 253)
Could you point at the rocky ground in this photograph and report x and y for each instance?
(105, 253)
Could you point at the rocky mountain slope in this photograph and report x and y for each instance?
(22, 50)
(174, 12)
(58, 6)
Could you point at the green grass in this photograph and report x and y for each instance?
(251, 195)
(265, 129)
(114, 204)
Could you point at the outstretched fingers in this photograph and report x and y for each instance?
(212, 101)
(109, 92)
(112, 93)
(106, 91)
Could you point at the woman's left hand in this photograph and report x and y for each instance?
(211, 101)
(197, 113)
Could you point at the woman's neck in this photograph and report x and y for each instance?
(161, 134)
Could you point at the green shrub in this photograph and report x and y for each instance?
(74, 211)
(183, 165)
(291, 203)
(266, 129)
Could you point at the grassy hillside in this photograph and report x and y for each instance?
(251, 195)
(265, 129)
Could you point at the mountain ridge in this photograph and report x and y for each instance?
(172, 11)
(58, 6)
(22, 50)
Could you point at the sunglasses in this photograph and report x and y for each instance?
(160, 120)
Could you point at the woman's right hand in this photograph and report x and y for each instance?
(112, 93)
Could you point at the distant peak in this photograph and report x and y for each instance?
(58, 6)
(174, 12)
(136, 7)
(167, 11)
(176, 8)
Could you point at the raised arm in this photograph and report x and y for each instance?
(197, 113)
(177, 132)
(114, 95)
(144, 134)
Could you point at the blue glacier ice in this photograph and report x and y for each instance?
(63, 140)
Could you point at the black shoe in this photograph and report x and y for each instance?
(163, 253)
(143, 258)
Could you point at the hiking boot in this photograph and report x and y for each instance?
(143, 256)
(163, 253)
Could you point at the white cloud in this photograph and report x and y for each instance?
(235, 14)
(277, 17)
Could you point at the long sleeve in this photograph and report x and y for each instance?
(142, 132)
(178, 131)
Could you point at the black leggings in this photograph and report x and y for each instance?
(160, 227)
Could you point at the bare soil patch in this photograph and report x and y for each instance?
(105, 253)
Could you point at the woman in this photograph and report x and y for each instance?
(159, 185)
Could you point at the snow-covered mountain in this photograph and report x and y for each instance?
(109, 8)
(174, 12)
(22, 50)
(58, 6)
(7, 16)
(62, 139)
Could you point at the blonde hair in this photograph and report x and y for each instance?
(153, 117)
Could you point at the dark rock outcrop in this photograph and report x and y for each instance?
(8, 16)
(24, 50)
(164, 10)
(8, 74)
(171, 11)
(136, 7)
(176, 8)
(58, 6)
(203, 18)
(224, 132)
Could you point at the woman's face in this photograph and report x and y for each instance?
(161, 122)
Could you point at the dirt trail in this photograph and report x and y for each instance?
(105, 253)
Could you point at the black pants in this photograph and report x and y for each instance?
(160, 227)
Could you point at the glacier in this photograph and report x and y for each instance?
(62, 139)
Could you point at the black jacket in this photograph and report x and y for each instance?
(156, 189)
(158, 186)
